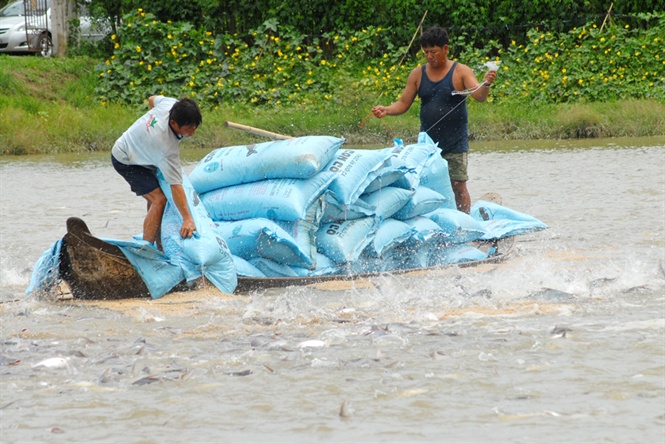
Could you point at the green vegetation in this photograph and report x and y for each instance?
(275, 65)
(586, 82)
(478, 20)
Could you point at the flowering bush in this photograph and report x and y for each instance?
(278, 66)
(584, 64)
(270, 65)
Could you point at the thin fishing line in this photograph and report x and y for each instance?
(467, 93)
(418, 28)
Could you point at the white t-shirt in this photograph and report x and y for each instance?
(151, 143)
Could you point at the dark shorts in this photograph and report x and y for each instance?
(457, 166)
(141, 180)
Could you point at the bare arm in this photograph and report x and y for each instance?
(471, 82)
(151, 102)
(180, 199)
(405, 101)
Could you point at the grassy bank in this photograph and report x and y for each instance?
(49, 105)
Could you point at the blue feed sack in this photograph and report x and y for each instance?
(275, 199)
(499, 221)
(389, 234)
(344, 241)
(206, 253)
(244, 268)
(458, 227)
(455, 254)
(336, 212)
(260, 237)
(414, 157)
(387, 201)
(273, 269)
(296, 158)
(354, 170)
(423, 200)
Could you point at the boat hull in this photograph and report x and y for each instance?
(95, 269)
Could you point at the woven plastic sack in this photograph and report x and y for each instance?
(389, 234)
(457, 226)
(344, 241)
(296, 158)
(423, 200)
(387, 201)
(354, 171)
(275, 199)
(244, 268)
(205, 253)
(260, 237)
(499, 221)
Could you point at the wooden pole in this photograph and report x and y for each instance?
(257, 131)
(606, 17)
(420, 25)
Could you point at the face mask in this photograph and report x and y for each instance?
(184, 136)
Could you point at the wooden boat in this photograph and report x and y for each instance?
(95, 269)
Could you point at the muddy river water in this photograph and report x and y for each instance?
(564, 342)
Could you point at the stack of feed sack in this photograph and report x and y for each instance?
(404, 217)
(268, 199)
(309, 206)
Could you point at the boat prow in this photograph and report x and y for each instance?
(95, 269)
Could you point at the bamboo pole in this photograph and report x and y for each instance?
(420, 25)
(607, 16)
(256, 131)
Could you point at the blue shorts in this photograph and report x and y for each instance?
(141, 180)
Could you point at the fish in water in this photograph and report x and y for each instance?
(147, 380)
(345, 409)
(552, 295)
(53, 363)
(560, 331)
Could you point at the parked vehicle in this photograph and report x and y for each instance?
(15, 38)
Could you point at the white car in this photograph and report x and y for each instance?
(14, 38)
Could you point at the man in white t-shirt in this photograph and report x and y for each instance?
(152, 143)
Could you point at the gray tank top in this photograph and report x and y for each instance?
(436, 101)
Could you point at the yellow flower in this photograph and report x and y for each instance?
(149, 67)
(138, 49)
(580, 81)
(112, 36)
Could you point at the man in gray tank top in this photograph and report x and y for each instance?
(443, 114)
